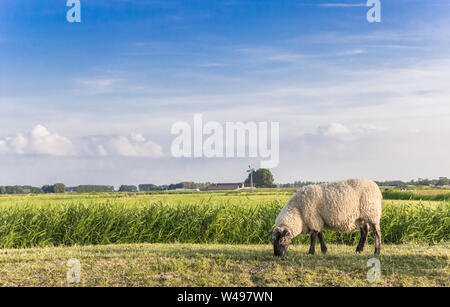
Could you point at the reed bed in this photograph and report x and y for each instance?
(228, 219)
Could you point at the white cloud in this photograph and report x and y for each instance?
(44, 142)
(333, 129)
(101, 150)
(38, 141)
(339, 141)
(342, 132)
(138, 137)
(133, 146)
(13, 144)
(98, 83)
(341, 4)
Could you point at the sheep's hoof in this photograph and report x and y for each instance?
(324, 251)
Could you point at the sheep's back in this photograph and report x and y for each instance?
(341, 206)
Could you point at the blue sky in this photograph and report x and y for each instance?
(353, 98)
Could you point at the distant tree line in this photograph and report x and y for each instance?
(17, 189)
(54, 188)
(442, 181)
(93, 188)
(27, 189)
(181, 185)
(61, 188)
(128, 188)
(262, 178)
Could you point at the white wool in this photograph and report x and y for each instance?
(341, 206)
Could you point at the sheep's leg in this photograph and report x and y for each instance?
(377, 235)
(312, 248)
(363, 238)
(323, 247)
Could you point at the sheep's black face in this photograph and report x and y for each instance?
(281, 241)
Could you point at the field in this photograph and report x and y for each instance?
(440, 194)
(223, 265)
(206, 239)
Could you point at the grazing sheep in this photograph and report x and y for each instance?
(341, 206)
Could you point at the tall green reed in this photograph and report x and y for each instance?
(240, 220)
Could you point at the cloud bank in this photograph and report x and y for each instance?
(40, 141)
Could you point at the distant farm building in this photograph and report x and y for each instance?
(187, 190)
(225, 186)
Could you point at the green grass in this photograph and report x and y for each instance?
(430, 195)
(98, 228)
(223, 265)
(222, 217)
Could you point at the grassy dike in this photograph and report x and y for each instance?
(223, 265)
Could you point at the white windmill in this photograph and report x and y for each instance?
(251, 171)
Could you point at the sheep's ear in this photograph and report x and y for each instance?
(273, 230)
